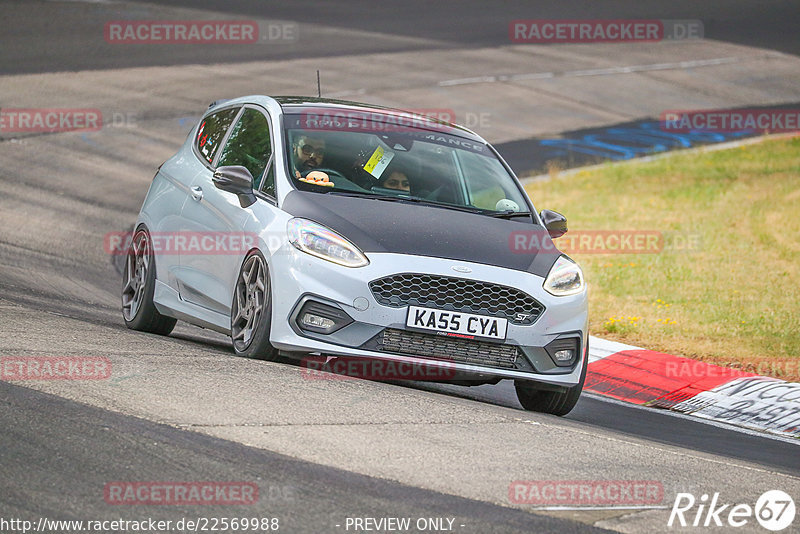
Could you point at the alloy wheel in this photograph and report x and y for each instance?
(249, 302)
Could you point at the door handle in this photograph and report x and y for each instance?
(197, 193)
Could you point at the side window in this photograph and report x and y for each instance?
(249, 145)
(211, 132)
(482, 181)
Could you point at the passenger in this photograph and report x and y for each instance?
(396, 180)
(308, 152)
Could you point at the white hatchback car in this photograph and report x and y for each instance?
(304, 226)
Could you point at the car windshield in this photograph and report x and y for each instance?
(392, 158)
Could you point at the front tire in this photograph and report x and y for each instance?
(559, 402)
(139, 283)
(251, 310)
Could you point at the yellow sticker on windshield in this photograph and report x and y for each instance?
(378, 161)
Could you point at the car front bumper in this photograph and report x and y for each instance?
(304, 278)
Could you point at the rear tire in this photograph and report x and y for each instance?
(251, 310)
(138, 286)
(547, 401)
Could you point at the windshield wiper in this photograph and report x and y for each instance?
(377, 197)
(417, 200)
(404, 198)
(507, 214)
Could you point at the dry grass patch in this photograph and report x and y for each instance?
(734, 298)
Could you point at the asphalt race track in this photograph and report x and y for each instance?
(184, 408)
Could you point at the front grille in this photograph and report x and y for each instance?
(456, 294)
(445, 348)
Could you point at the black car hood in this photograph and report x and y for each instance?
(408, 228)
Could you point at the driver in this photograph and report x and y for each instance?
(309, 151)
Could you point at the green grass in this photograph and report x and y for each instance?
(735, 299)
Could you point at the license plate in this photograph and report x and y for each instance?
(457, 324)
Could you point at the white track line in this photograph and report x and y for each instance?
(582, 508)
(602, 72)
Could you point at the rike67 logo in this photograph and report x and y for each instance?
(774, 510)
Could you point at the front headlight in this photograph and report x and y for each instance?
(324, 243)
(565, 278)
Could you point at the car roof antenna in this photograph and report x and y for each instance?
(319, 90)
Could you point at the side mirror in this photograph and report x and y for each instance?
(237, 180)
(555, 223)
